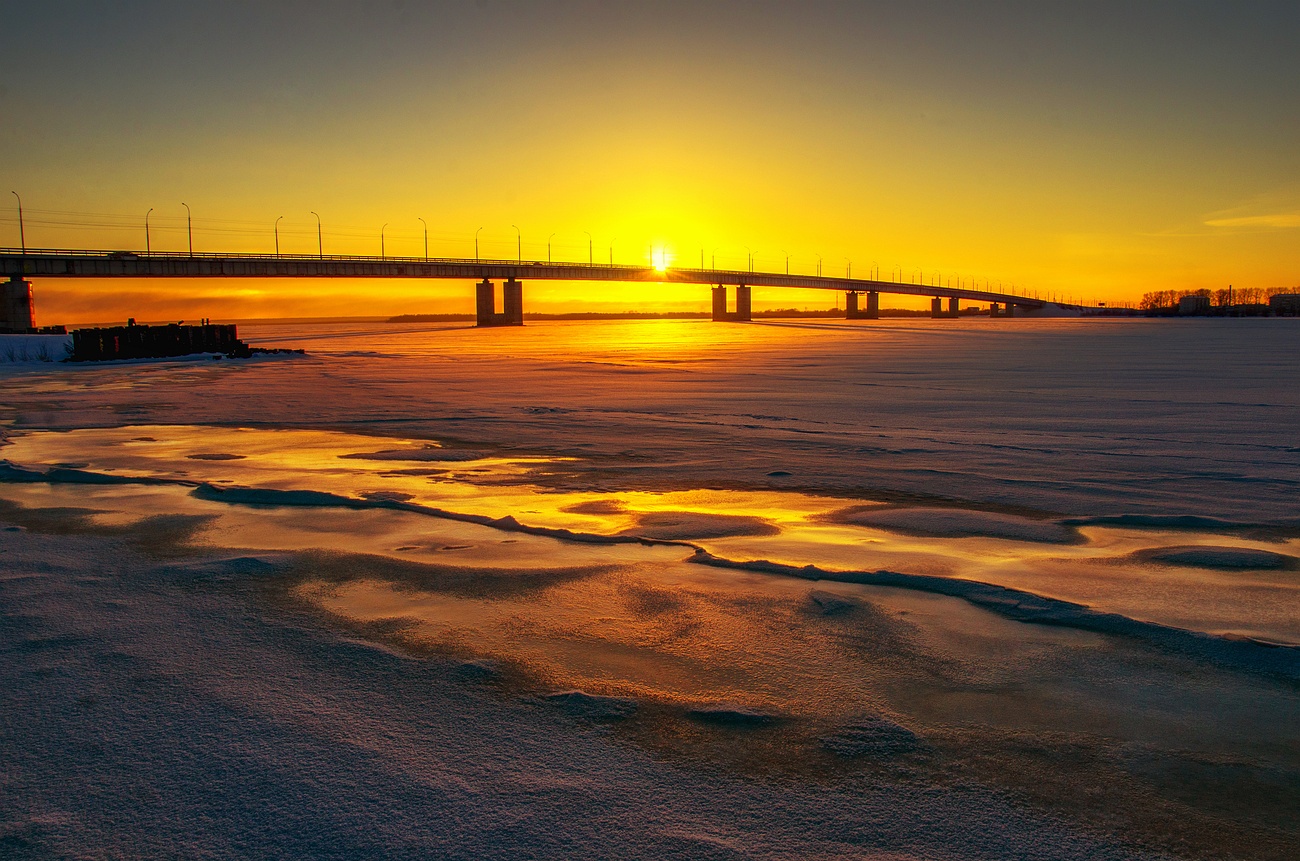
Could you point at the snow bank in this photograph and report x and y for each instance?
(22, 349)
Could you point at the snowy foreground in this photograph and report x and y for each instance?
(962, 589)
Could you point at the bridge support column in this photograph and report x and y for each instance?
(853, 312)
(937, 311)
(743, 312)
(719, 304)
(993, 309)
(513, 299)
(485, 303)
(16, 310)
(1011, 310)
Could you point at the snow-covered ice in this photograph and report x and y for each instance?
(985, 589)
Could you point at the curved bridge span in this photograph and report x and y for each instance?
(19, 266)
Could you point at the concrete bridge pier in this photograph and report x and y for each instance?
(996, 310)
(853, 312)
(938, 313)
(512, 313)
(743, 312)
(16, 310)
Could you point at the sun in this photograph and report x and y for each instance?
(660, 259)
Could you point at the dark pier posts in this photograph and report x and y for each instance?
(485, 303)
(512, 313)
(996, 310)
(719, 304)
(938, 313)
(513, 298)
(744, 305)
(853, 312)
(16, 311)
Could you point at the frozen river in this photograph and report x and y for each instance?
(901, 589)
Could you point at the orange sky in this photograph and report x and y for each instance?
(1092, 151)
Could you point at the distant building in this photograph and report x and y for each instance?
(1285, 304)
(1191, 305)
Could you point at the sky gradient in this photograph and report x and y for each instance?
(1097, 150)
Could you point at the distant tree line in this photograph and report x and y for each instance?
(1162, 300)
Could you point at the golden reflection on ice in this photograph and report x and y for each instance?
(1105, 568)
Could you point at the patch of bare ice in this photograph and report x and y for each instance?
(427, 454)
(694, 525)
(961, 523)
(1221, 558)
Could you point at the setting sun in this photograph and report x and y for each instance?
(660, 259)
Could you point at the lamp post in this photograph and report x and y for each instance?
(148, 248)
(590, 241)
(189, 227)
(22, 235)
(519, 243)
(751, 257)
(320, 242)
(611, 250)
(548, 247)
(713, 259)
(819, 266)
(277, 236)
(426, 236)
(476, 233)
(787, 261)
(848, 268)
(382, 255)
(876, 270)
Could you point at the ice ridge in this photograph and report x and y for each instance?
(1241, 654)
(1280, 660)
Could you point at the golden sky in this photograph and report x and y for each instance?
(1090, 150)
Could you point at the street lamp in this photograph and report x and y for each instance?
(787, 261)
(713, 259)
(590, 262)
(848, 269)
(189, 227)
(548, 247)
(819, 266)
(426, 236)
(320, 243)
(751, 257)
(147, 247)
(611, 250)
(876, 270)
(382, 255)
(277, 236)
(476, 233)
(22, 236)
(519, 243)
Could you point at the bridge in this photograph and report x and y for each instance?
(862, 295)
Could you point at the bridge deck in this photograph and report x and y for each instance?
(46, 263)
